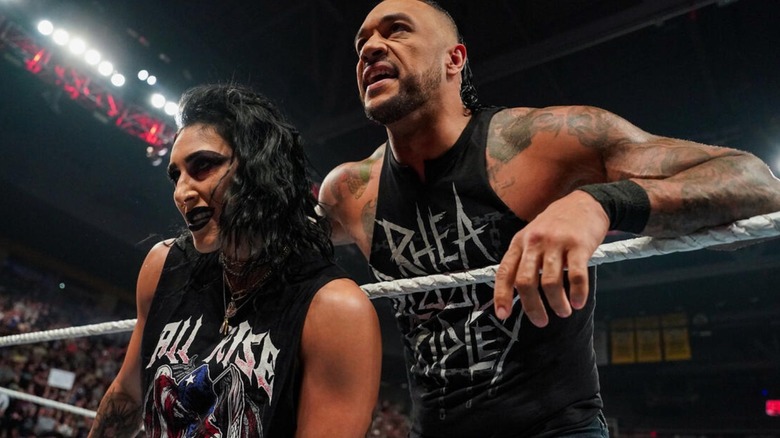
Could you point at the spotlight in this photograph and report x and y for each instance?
(151, 80)
(117, 79)
(45, 27)
(171, 108)
(105, 68)
(77, 46)
(158, 101)
(92, 57)
(142, 75)
(60, 37)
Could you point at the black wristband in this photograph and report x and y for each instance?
(625, 202)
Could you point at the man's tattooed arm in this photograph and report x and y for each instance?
(513, 131)
(119, 415)
(691, 185)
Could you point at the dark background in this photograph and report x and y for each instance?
(81, 197)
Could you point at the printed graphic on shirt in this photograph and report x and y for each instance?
(208, 398)
(437, 243)
(466, 342)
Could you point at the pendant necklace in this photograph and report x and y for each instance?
(232, 307)
(236, 270)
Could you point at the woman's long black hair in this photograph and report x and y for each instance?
(269, 201)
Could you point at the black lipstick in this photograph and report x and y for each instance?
(198, 217)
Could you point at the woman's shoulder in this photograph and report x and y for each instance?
(341, 295)
(341, 300)
(155, 259)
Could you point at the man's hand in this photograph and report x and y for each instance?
(563, 236)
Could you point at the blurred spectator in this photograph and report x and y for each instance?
(389, 421)
(31, 301)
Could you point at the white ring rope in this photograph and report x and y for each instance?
(46, 402)
(754, 228)
(103, 328)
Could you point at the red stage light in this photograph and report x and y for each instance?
(773, 408)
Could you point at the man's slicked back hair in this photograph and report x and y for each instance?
(468, 92)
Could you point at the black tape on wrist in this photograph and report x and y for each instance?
(625, 202)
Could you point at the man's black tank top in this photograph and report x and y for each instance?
(471, 374)
(199, 382)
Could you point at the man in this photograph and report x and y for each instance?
(457, 187)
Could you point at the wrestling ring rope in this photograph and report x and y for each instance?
(756, 228)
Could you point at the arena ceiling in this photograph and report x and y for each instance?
(83, 192)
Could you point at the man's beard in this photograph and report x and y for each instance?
(414, 92)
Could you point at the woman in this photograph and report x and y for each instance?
(245, 327)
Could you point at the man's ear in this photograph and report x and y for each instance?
(457, 59)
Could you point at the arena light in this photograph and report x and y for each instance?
(45, 27)
(80, 84)
(143, 75)
(158, 100)
(151, 80)
(92, 57)
(77, 46)
(105, 68)
(117, 80)
(773, 408)
(171, 108)
(60, 37)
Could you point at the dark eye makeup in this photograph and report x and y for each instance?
(199, 165)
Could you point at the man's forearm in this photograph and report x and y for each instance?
(717, 192)
(119, 415)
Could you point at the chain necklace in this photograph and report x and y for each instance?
(231, 308)
(236, 267)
